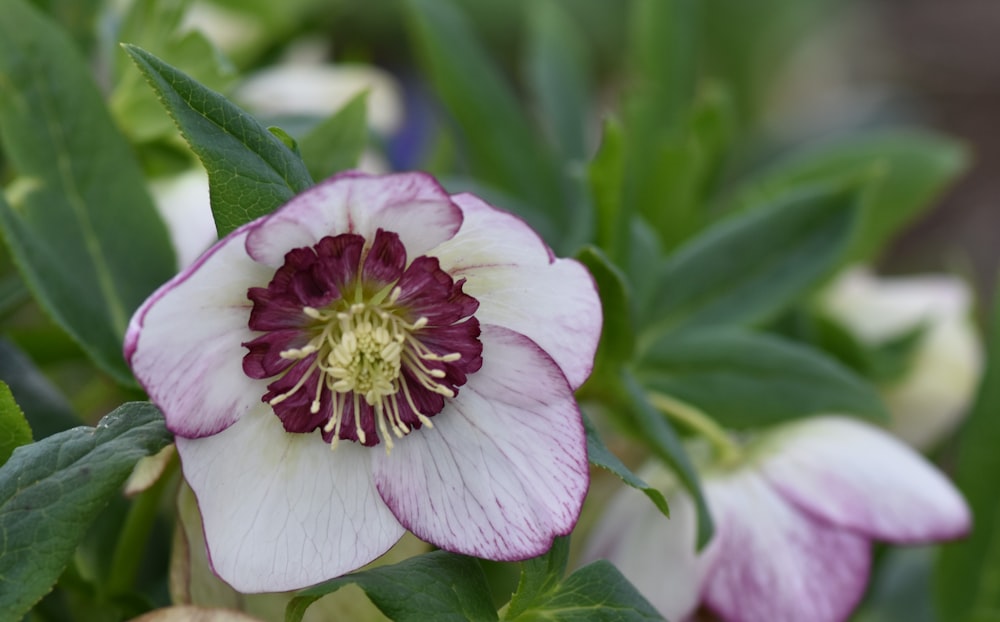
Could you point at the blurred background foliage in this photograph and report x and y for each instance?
(768, 82)
(740, 100)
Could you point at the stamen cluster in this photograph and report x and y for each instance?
(361, 345)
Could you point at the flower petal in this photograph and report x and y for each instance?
(182, 200)
(320, 90)
(655, 553)
(385, 261)
(412, 205)
(521, 286)
(775, 563)
(927, 401)
(877, 309)
(859, 477)
(283, 511)
(930, 400)
(504, 469)
(193, 370)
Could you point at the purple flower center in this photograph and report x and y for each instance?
(360, 343)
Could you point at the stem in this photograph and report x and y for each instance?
(727, 450)
(135, 532)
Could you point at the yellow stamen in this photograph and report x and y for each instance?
(360, 353)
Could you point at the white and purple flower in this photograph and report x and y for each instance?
(794, 524)
(431, 341)
(932, 396)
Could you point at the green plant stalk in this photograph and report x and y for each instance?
(726, 449)
(135, 533)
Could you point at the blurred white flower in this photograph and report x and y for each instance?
(305, 84)
(230, 31)
(935, 392)
(322, 89)
(794, 522)
(183, 203)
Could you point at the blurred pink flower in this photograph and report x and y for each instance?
(794, 525)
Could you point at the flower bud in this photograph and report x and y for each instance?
(934, 392)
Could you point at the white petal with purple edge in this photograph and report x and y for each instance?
(282, 511)
(776, 563)
(521, 286)
(656, 554)
(860, 477)
(504, 469)
(412, 205)
(193, 370)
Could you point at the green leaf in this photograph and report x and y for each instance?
(966, 581)
(14, 428)
(600, 456)
(747, 45)
(662, 440)
(883, 363)
(250, 171)
(595, 593)
(667, 194)
(660, 165)
(826, 333)
(557, 69)
(669, 166)
(77, 18)
(713, 124)
(286, 139)
(336, 144)
(503, 148)
(644, 254)
(436, 586)
(900, 589)
(13, 293)
(664, 59)
(907, 171)
(52, 490)
(606, 175)
(47, 410)
(746, 269)
(747, 380)
(891, 360)
(155, 25)
(78, 214)
(618, 334)
(539, 575)
(683, 166)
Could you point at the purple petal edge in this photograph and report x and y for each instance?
(526, 544)
(138, 318)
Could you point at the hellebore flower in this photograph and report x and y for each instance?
(374, 356)
(934, 392)
(793, 525)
